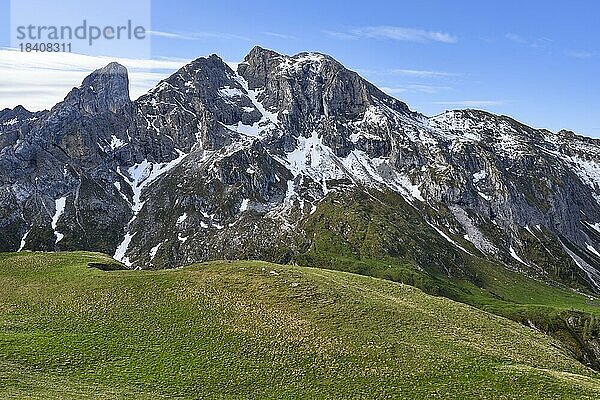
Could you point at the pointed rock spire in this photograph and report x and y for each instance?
(106, 89)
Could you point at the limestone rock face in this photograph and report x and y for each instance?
(284, 156)
(106, 89)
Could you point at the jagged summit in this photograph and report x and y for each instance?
(14, 114)
(113, 68)
(15, 120)
(17, 109)
(105, 89)
(261, 52)
(312, 85)
(261, 55)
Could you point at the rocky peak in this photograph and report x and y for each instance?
(10, 117)
(16, 123)
(202, 105)
(309, 88)
(261, 52)
(257, 64)
(17, 110)
(564, 133)
(106, 89)
(478, 125)
(200, 77)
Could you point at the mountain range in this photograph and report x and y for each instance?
(296, 159)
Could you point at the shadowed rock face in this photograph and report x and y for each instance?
(312, 91)
(216, 163)
(106, 89)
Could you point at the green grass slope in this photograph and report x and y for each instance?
(381, 235)
(257, 330)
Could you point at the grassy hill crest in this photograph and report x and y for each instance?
(258, 330)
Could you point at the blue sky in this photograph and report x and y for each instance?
(537, 61)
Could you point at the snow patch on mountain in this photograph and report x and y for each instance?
(230, 92)
(244, 205)
(448, 238)
(473, 234)
(588, 171)
(267, 115)
(591, 272)
(314, 158)
(122, 249)
(11, 122)
(375, 116)
(59, 205)
(290, 65)
(479, 176)
(377, 172)
(182, 218)
(592, 249)
(465, 126)
(253, 94)
(268, 121)
(144, 173)
(24, 240)
(154, 250)
(253, 130)
(484, 196)
(514, 255)
(453, 126)
(116, 143)
(140, 176)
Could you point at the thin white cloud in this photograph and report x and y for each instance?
(428, 88)
(195, 35)
(415, 88)
(404, 34)
(513, 37)
(392, 91)
(40, 80)
(539, 44)
(414, 74)
(423, 73)
(394, 33)
(470, 103)
(170, 35)
(280, 35)
(340, 35)
(582, 55)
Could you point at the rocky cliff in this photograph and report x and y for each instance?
(295, 158)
